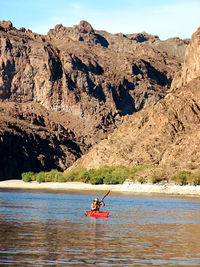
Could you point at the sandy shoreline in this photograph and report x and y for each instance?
(126, 187)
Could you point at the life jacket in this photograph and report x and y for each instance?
(96, 206)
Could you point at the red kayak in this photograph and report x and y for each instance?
(96, 213)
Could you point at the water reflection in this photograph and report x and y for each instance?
(50, 229)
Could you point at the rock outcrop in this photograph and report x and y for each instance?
(31, 138)
(81, 71)
(191, 65)
(81, 80)
(167, 133)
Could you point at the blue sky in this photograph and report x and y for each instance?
(165, 18)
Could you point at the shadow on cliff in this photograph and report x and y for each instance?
(122, 99)
(102, 40)
(22, 152)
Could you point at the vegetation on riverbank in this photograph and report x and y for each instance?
(115, 175)
(103, 175)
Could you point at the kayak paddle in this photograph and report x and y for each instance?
(106, 195)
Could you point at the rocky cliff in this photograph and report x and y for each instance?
(69, 89)
(167, 133)
(191, 66)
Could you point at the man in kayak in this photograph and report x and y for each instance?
(97, 204)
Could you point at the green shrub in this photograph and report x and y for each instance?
(114, 178)
(107, 179)
(182, 177)
(50, 176)
(85, 177)
(131, 171)
(105, 170)
(141, 180)
(69, 177)
(142, 167)
(157, 176)
(75, 174)
(28, 176)
(94, 172)
(118, 177)
(196, 182)
(61, 178)
(196, 178)
(97, 180)
(55, 176)
(40, 177)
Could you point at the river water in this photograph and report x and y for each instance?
(47, 228)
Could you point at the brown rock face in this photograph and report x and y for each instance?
(71, 68)
(31, 138)
(82, 80)
(166, 133)
(191, 66)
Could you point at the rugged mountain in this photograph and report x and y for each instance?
(31, 140)
(191, 65)
(70, 88)
(167, 133)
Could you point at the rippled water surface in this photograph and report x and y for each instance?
(49, 229)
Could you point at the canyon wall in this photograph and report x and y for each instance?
(64, 92)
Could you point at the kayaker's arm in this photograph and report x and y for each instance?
(102, 203)
(92, 207)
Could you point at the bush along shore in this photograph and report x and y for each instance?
(117, 175)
